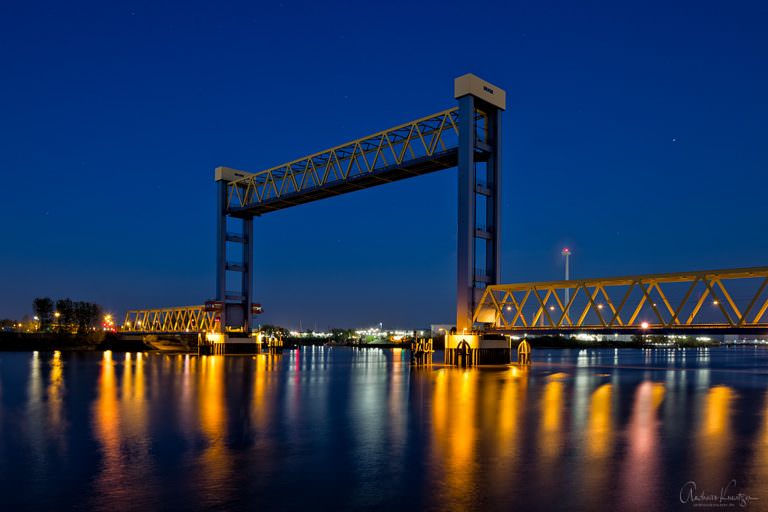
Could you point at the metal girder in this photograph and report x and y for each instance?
(736, 298)
(170, 320)
(418, 147)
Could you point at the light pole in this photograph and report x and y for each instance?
(567, 253)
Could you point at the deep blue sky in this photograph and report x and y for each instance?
(635, 133)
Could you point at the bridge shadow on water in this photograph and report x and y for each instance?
(348, 429)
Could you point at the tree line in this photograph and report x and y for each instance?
(72, 315)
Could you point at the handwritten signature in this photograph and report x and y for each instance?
(689, 493)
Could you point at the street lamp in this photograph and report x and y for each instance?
(58, 322)
(567, 253)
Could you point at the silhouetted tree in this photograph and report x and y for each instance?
(66, 310)
(86, 315)
(43, 308)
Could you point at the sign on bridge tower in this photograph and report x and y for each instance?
(467, 137)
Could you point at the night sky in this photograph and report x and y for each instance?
(635, 134)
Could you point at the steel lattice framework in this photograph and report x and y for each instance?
(693, 301)
(170, 320)
(418, 147)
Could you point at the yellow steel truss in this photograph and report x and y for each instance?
(659, 301)
(176, 320)
(422, 138)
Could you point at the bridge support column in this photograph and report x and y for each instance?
(236, 294)
(479, 174)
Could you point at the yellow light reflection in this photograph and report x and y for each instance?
(216, 461)
(121, 418)
(600, 424)
(714, 439)
(56, 396)
(260, 411)
(550, 439)
(599, 443)
(510, 392)
(455, 434)
(107, 429)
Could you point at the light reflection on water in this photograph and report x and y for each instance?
(350, 429)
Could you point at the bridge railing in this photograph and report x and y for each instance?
(423, 138)
(732, 299)
(170, 320)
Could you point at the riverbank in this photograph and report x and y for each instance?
(47, 341)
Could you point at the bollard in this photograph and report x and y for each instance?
(524, 352)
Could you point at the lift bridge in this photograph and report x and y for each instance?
(467, 136)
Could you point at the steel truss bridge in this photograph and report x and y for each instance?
(722, 301)
(170, 320)
(468, 137)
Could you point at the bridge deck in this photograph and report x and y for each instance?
(415, 148)
(416, 167)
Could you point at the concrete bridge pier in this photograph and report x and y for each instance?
(475, 349)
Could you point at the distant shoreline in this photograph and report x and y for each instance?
(101, 341)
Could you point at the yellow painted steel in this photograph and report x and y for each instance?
(537, 305)
(423, 137)
(170, 320)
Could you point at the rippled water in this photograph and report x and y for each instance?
(341, 428)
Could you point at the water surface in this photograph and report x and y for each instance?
(346, 429)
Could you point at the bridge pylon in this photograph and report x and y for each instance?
(234, 255)
(479, 201)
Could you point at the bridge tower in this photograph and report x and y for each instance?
(479, 207)
(234, 255)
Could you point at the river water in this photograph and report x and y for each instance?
(350, 429)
